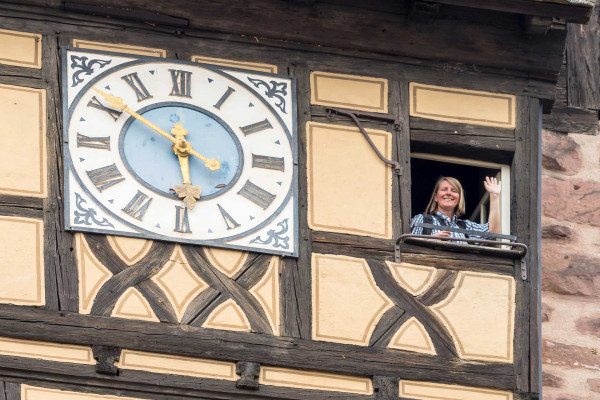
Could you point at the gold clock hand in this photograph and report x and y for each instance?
(117, 102)
(185, 147)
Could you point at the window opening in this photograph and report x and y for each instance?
(427, 168)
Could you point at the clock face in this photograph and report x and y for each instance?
(180, 151)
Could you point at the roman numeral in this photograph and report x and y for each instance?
(256, 127)
(182, 222)
(182, 83)
(95, 142)
(138, 206)
(227, 218)
(257, 195)
(105, 177)
(225, 96)
(96, 104)
(267, 162)
(133, 80)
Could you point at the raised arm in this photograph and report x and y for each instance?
(492, 185)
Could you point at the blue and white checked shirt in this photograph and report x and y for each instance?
(473, 226)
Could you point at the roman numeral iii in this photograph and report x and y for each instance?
(182, 83)
(138, 206)
(105, 177)
(267, 162)
(257, 195)
(133, 80)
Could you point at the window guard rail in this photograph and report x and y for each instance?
(514, 245)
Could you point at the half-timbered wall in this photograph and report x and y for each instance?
(88, 316)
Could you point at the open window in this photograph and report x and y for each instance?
(427, 168)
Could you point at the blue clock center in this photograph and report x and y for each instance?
(149, 156)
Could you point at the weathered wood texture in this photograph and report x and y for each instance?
(472, 141)
(144, 385)
(571, 12)
(65, 327)
(498, 47)
(577, 93)
(10, 390)
(400, 97)
(583, 69)
(296, 278)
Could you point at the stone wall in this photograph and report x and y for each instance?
(571, 266)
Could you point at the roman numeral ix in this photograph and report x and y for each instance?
(93, 142)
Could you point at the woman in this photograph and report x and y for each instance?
(447, 203)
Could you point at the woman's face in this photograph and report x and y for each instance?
(447, 196)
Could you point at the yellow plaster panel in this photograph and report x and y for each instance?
(228, 316)
(23, 142)
(268, 68)
(347, 304)
(37, 393)
(479, 312)
(465, 106)
(349, 187)
(266, 291)
(119, 48)
(21, 49)
(227, 261)
(132, 305)
(436, 391)
(22, 261)
(314, 380)
(412, 336)
(414, 278)
(168, 364)
(349, 91)
(46, 351)
(179, 282)
(131, 250)
(92, 274)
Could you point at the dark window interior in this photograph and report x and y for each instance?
(424, 174)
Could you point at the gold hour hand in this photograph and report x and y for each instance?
(179, 131)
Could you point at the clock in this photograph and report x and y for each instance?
(180, 151)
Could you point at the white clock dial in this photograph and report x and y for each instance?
(122, 157)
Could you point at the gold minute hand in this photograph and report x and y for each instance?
(117, 102)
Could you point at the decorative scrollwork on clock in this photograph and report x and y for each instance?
(276, 239)
(87, 215)
(83, 66)
(273, 89)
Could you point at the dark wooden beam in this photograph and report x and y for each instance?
(65, 327)
(579, 13)
(453, 38)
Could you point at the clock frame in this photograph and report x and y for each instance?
(118, 170)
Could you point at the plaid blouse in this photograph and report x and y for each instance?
(472, 226)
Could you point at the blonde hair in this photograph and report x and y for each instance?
(432, 207)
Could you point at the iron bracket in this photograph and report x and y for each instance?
(382, 117)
